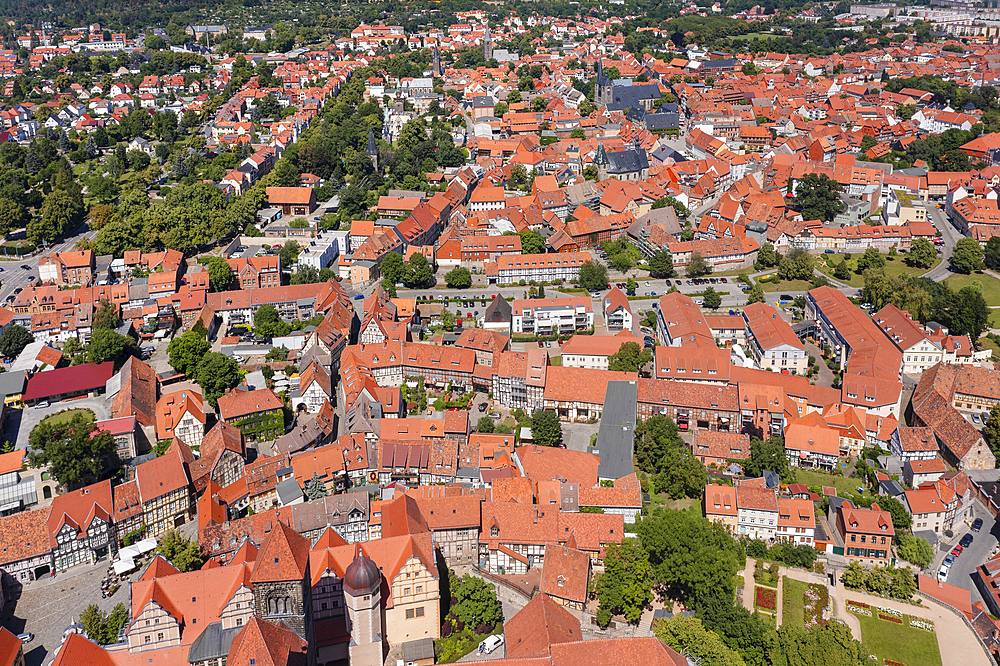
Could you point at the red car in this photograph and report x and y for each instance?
(957, 551)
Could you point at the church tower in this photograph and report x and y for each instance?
(281, 581)
(487, 45)
(363, 599)
(372, 149)
(601, 162)
(436, 66)
(603, 93)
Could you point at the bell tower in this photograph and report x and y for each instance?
(363, 600)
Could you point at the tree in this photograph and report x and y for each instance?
(630, 357)
(854, 576)
(593, 277)
(750, 69)
(185, 352)
(183, 553)
(904, 583)
(106, 315)
(872, 258)
(970, 313)
(798, 265)
(12, 215)
(689, 636)
(485, 424)
(867, 143)
(916, 550)
(756, 294)
(392, 267)
(828, 644)
(106, 345)
(768, 455)
(626, 585)
(923, 255)
(458, 278)
(216, 373)
(289, 252)
(103, 628)
(630, 284)
(546, 430)
(654, 437)
(661, 265)
(268, 324)
(475, 602)
(712, 299)
(967, 257)
(698, 266)
(766, 257)
(315, 487)
(817, 197)
(842, 271)
(532, 242)
(76, 453)
(220, 275)
(419, 273)
(13, 341)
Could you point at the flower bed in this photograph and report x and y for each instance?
(765, 598)
(815, 599)
(890, 662)
(889, 618)
(859, 608)
(918, 623)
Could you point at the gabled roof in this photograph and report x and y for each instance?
(284, 556)
(538, 626)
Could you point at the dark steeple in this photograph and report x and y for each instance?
(436, 67)
(372, 148)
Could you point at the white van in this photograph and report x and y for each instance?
(490, 643)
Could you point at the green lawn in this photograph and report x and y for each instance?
(845, 487)
(986, 343)
(893, 268)
(65, 417)
(792, 601)
(786, 286)
(991, 285)
(899, 642)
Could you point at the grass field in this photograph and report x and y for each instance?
(845, 487)
(892, 269)
(991, 285)
(899, 642)
(986, 343)
(792, 601)
(786, 285)
(65, 417)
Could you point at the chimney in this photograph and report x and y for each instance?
(534, 515)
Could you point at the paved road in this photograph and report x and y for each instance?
(13, 276)
(962, 571)
(950, 235)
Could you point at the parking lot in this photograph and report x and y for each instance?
(21, 421)
(962, 573)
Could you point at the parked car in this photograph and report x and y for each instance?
(42, 405)
(490, 643)
(359, 297)
(483, 406)
(966, 541)
(975, 419)
(786, 297)
(26, 637)
(724, 280)
(943, 574)
(25, 267)
(977, 524)
(647, 283)
(957, 550)
(541, 343)
(949, 560)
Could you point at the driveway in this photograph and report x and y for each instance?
(576, 436)
(950, 235)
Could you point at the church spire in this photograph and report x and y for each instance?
(372, 148)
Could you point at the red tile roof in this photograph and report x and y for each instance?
(74, 379)
(539, 626)
(283, 556)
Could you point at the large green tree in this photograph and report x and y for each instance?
(185, 352)
(689, 636)
(392, 267)
(626, 585)
(216, 373)
(798, 265)
(768, 455)
(872, 258)
(991, 430)
(967, 257)
(630, 357)
(103, 628)
(766, 257)
(458, 278)
(593, 277)
(476, 602)
(419, 274)
(532, 242)
(14, 339)
(661, 265)
(106, 345)
(817, 197)
(220, 275)
(546, 429)
(712, 299)
(76, 453)
(183, 553)
(916, 550)
(268, 323)
(923, 255)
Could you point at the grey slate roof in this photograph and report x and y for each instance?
(629, 160)
(616, 436)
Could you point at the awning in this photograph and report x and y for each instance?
(124, 566)
(146, 545)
